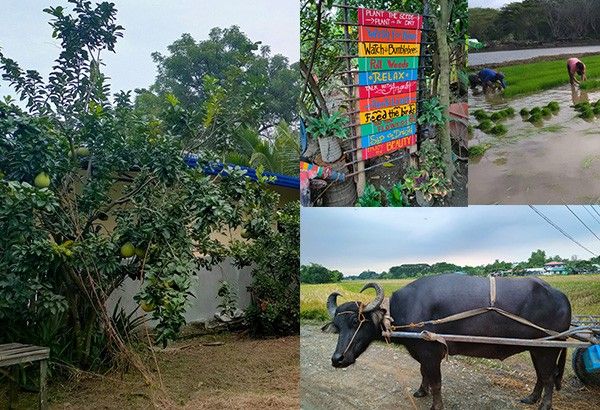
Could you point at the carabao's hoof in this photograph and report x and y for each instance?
(545, 406)
(531, 399)
(420, 393)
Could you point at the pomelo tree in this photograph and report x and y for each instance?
(93, 191)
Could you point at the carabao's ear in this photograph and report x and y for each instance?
(330, 328)
(377, 316)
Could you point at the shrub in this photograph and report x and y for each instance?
(275, 252)
(524, 112)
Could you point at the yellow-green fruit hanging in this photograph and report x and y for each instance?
(127, 250)
(42, 180)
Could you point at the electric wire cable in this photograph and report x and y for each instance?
(558, 228)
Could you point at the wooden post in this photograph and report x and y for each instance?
(13, 385)
(43, 405)
(354, 131)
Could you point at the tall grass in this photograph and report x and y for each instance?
(582, 290)
(529, 78)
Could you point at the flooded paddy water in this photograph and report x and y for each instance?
(553, 163)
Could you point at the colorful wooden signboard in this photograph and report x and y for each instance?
(388, 62)
(388, 147)
(391, 19)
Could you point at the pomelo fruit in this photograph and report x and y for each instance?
(127, 250)
(42, 180)
(82, 151)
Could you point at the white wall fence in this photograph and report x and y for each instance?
(204, 287)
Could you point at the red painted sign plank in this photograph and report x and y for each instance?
(388, 147)
(388, 35)
(392, 19)
(369, 104)
(384, 90)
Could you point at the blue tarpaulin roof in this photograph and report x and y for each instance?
(281, 180)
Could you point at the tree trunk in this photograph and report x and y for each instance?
(441, 27)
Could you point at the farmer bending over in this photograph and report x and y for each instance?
(575, 66)
(490, 79)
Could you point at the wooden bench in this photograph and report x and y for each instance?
(12, 354)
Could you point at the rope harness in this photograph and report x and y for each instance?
(361, 318)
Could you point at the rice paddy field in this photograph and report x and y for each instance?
(530, 78)
(538, 155)
(582, 290)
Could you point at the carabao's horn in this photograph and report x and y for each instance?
(378, 297)
(332, 303)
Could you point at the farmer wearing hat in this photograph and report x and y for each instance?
(490, 79)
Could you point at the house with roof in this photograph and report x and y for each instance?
(556, 268)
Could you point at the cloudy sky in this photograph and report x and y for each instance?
(356, 239)
(490, 3)
(150, 25)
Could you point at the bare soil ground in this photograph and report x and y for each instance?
(241, 373)
(384, 377)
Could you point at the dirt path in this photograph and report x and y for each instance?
(384, 377)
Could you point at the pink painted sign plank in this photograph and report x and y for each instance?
(391, 19)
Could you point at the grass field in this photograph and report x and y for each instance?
(590, 85)
(529, 78)
(583, 292)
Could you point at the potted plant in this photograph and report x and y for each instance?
(328, 130)
(431, 116)
(428, 182)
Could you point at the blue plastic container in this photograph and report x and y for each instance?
(591, 359)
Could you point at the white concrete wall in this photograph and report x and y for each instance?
(204, 286)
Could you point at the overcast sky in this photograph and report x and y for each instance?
(490, 3)
(356, 239)
(150, 25)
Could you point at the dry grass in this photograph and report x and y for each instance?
(239, 374)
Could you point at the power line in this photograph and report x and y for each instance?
(595, 210)
(583, 223)
(590, 212)
(558, 228)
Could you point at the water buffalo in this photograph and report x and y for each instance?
(435, 297)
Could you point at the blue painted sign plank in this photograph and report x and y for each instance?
(384, 77)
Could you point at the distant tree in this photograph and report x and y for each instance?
(537, 259)
(369, 274)
(315, 273)
(483, 23)
(235, 82)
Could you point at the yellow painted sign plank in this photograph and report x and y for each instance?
(388, 49)
(387, 113)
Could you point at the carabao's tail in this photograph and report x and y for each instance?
(560, 369)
